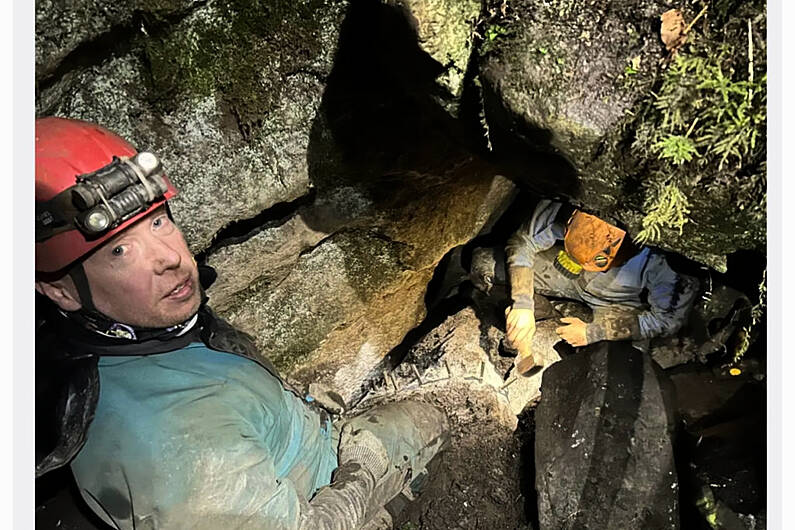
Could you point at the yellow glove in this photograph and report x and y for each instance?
(520, 326)
(520, 329)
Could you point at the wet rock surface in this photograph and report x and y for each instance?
(603, 450)
(328, 157)
(571, 83)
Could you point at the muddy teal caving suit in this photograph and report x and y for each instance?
(197, 434)
(640, 299)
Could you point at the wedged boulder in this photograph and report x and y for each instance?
(613, 121)
(358, 284)
(603, 450)
(222, 96)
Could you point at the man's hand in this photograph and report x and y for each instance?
(573, 332)
(520, 326)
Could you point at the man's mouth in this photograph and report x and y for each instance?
(182, 291)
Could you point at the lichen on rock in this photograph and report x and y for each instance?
(593, 83)
(445, 30)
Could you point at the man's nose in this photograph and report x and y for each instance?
(165, 256)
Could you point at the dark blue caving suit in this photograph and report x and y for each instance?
(645, 287)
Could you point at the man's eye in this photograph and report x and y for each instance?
(118, 251)
(161, 221)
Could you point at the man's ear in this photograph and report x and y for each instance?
(61, 293)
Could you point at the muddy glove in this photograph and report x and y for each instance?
(520, 326)
(346, 502)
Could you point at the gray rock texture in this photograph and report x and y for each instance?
(603, 450)
(62, 26)
(576, 83)
(445, 30)
(233, 149)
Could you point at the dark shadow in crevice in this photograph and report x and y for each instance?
(238, 231)
(379, 121)
(449, 306)
(524, 152)
(526, 431)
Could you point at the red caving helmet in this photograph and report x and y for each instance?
(72, 156)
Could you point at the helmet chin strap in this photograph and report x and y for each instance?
(89, 317)
(78, 275)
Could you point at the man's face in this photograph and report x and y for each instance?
(145, 276)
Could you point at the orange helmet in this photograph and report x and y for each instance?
(90, 185)
(592, 242)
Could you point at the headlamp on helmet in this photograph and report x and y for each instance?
(105, 198)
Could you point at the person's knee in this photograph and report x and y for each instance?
(413, 432)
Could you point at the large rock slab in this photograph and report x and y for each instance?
(604, 455)
(358, 285)
(579, 85)
(232, 128)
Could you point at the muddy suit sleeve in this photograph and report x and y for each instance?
(343, 504)
(230, 481)
(670, 296)
(537, 234)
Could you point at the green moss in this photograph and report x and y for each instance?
(668, 208)
(702, 131)
(240, 49)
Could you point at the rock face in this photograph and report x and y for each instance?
(589, 89)
(604, 456)
(324, 197)
(63, 26)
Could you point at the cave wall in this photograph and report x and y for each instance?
(317, 171)
(669, 142)
(329, 153)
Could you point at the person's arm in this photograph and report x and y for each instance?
(232, 483)
(537, 234)
(670, 297)
(210, 466)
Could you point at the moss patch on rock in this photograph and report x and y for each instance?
(671, 145)
(242, 49)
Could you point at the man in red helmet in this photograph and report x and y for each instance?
(566, 253)
(168, 416)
